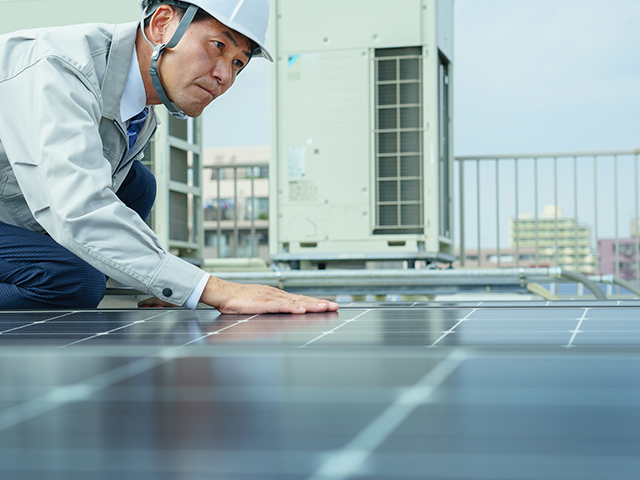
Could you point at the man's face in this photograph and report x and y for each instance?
(203, 65)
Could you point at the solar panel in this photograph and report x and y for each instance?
(468, 390)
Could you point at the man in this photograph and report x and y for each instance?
(77, 111)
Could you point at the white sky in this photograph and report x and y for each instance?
(530, 76)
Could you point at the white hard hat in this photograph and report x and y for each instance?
(248, 17)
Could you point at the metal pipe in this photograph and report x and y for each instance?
(628, 285)
(613, 280)
(381, 277)
(579, 278)
(400, 280)
(408, 281)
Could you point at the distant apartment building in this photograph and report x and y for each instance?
(556, 240)
(524, 257)
(236, 201)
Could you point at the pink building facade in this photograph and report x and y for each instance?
(626, 259)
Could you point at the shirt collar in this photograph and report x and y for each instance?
(134, 97)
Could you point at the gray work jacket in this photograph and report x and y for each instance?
(64, 153)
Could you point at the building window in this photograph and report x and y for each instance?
(222, 211)
(398, 130)
(257, 208)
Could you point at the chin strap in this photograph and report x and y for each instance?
(158, 50)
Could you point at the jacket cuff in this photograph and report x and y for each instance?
(174, 280)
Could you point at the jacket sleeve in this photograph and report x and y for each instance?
(53, 143)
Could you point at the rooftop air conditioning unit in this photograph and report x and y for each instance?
(361, 167)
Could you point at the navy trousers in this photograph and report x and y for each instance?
(37, 273)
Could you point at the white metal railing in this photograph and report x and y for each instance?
(598, 189)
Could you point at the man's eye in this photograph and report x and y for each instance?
(218, 44)
(238, 63)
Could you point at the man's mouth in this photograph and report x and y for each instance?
(210, 92)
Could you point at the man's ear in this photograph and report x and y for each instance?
(162, 25)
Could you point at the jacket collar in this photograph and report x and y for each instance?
(115, 77)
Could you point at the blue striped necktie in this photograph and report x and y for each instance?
(135, 125)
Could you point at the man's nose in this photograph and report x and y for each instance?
(223, 71)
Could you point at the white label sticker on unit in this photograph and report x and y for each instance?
(297, 157)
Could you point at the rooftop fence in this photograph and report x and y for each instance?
(595, 192)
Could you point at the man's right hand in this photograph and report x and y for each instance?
(229, 297)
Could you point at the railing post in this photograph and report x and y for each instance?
(575, 203)
(478, 209)
(555, 208)
(236, 236)
(615, 217)
(219, 200)
(535, 209)
(253, 216)
(595, 208)
(463, 253)
(517, 224)
(636, 235)
(497, 211)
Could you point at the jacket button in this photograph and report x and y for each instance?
(167, 292)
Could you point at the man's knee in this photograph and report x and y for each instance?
(44, 275)
(93, 288)
(85, 289)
